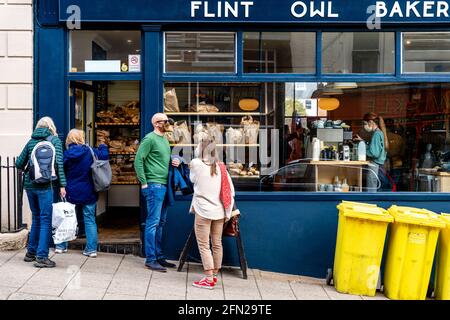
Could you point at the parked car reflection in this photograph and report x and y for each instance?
(296, 176)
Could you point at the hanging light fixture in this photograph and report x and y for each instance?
(329, 104)
(345, 85)
(332, 92)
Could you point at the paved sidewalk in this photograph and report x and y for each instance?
(123, 277)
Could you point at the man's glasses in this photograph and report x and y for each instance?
(162, 121)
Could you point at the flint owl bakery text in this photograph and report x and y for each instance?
(239, 9)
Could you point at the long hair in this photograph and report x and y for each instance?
(381, 125)
(75, 136)
(208, 151)
(47, 122)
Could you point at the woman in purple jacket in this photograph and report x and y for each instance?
(80, 186)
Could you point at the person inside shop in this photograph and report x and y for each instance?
(151, 164)
(396, 151)
(40, 190)
(376, 151)
(295, 139)
(212, 204)
(78, 160)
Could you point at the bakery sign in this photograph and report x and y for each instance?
(323, 9)
(254, 11)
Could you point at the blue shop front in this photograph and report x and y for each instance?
(282, 87)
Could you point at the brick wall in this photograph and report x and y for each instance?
(16, 78)
(16, 74)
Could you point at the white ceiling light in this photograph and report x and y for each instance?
(345, 85)
(332, 92)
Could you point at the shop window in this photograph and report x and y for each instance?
(105, 51)
(280, 52)
(358, 52)
(426, 52)
(312, 137)
(200, 52)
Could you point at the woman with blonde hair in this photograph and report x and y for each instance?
(80, 186)
(212, 204)
(40, 193)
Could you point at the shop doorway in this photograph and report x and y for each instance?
(109, 113)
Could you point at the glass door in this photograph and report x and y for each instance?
(82, 109)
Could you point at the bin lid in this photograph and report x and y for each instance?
(352, 203)
(416, 216)
(364, 211)
(446, 218)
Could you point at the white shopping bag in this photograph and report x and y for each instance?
(64, 222)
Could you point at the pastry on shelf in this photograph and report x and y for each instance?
(235, 171)
(103, 133)
(105, 116)
(203, 107)
(116, 146)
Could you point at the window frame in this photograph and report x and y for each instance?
(236, 58)
(353, 73)
(402, 71)
(114, 75)
(281, 73)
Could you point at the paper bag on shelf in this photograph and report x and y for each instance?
(234, 136)
(181, 132)
(215, 131)
(171, 101)
(251, 129)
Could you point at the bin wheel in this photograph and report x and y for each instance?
(329, 276)
(430, 291)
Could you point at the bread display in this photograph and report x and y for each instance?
(118, 128)
(127, 113)
(204, 108)
(241, 170)
(123, 170)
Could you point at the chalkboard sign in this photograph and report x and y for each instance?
(101, 95)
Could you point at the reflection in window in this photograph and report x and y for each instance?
(103, 51)
(279, 52)
(268, 133)
(200, 52)
(426, 52)
(358, 52)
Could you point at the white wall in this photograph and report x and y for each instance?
(16, 79)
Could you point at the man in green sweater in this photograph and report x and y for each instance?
(152, 168)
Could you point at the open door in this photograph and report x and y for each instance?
(82, 106)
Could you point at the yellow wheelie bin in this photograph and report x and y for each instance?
(411, 249)
(442, 277)
(359, 247)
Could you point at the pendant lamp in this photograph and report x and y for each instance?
(329, 104)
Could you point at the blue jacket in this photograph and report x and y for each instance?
(178, 178)
(77, 166)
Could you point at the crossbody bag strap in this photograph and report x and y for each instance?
(94, 157)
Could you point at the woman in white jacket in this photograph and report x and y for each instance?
(209, 208)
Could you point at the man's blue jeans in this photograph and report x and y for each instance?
(154, 195)
(41, 226)
(90, 227)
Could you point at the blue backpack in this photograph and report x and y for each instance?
(42, 162)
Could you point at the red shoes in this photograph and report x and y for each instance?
(205, 283)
